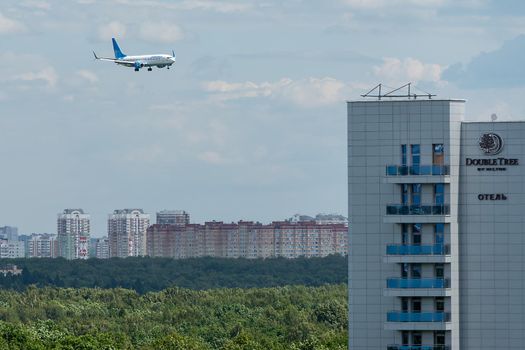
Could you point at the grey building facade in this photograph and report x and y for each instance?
(436, 234)
(9, 233)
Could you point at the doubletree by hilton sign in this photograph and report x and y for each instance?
(491, 144)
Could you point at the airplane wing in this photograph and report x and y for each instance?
(125, 63)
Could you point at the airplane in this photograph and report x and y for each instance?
(138, 62)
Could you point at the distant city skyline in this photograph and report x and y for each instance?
(154, 214)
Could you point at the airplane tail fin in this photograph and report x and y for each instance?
(173, 53)
(116, 48)
(94, 54)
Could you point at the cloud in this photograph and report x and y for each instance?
(309, 92)
(217, 6)
(315, 92)
(499, 68)
(395, 70)
(114, 29)
(162, 32)
(47, 75)
(204, 5)
(148, 153)
(88, 76)
(212, 157)
(36, 4)
(8, 25)
(376, 4)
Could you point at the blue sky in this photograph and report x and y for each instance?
(250, 123)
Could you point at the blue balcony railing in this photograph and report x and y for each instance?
(435, 209)
(400, 316)
(418, 347)
(405, 170)
(431, 283)
(435, 249)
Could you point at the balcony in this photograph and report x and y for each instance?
(426, 213)
(431, 209)
(417, 174)
(412, 283)
(417, 170)
(435, 249)
(418, 347)
(400, 316)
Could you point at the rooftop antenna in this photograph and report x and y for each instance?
(391, 94)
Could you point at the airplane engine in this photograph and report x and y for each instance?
(138, 65)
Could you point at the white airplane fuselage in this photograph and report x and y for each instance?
(159, 61)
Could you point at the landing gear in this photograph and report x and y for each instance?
(136, 69)
(149, 69)
(168, 67)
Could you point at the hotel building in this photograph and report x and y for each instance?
(437, 228)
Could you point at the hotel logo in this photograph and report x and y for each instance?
(490, 143)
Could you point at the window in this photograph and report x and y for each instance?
(439, 271)
(404, 270)
(439, 234)
(439, 194)
(416, 234)
(416, 271)
(404, 304)
(438, 154)
(404, 234)
(403, 155)
(404, 194)
(405, 339)
(416, 194)
(416, 304)
(440, 304)
(416, 159)
(416, 155)
(439, 338)
(417, 339)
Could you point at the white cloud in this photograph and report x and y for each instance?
(314, 91)
(112, 29)
(218, 6)
(148, 153)
(212, 157)
(408, 70)
(376, 4)
(309, 92)
(8, 25)
(37, 4)
(204, 5)
(47, 75)
(163, 32)
(88, 76)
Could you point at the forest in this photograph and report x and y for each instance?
(289, 317)
(154, 274)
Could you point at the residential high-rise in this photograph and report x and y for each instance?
(102, 248)
(173, 217)
(11, 249)
(42, 246)
(73, 230)
(127, 232)
(9, 233)
(436, 239)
